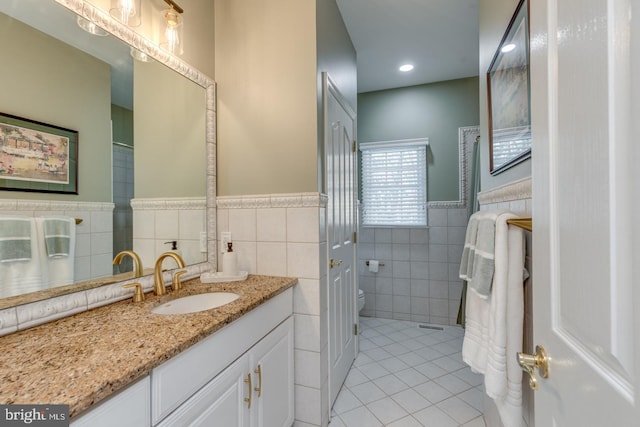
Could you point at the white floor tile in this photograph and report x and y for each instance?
(434, 417)
(387, 410)
(368, 392)
(411, 377)
(346, 401)
(373, 370)
(452, 383)
(360, 417)
(411, 400)
(478, 422)
(407, 376)
(406, 422)
(390, 384)
(459, 410)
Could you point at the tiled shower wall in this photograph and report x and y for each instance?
(419, 280)
(123, 187)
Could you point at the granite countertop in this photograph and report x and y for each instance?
(82, 359)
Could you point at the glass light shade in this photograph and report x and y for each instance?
(128, 12)
(90, 27)
(172, 37)
(139, 55)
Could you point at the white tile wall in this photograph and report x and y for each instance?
(158, 221)
(284, 235)
(419, 280)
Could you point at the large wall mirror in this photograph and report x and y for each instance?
(146, 133)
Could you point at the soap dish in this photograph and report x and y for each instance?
(219, 276)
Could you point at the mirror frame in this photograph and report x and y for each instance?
(128, 36)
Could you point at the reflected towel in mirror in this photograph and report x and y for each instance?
(15, 239)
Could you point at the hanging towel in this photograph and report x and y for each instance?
(493, 332)
(57, 236)
(477, 263)
(58, 255)
(20, 273)
(15, 239)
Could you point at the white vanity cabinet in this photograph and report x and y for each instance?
(130, 407)
(240, 376)
(255, 390)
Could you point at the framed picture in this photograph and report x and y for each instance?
(35, 156)
(509, 96)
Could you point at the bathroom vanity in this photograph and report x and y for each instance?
(122, 365)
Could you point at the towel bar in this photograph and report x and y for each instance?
(525, 223)
(381, 264)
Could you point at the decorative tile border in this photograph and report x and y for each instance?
(181, 203)
(516, 190)
(294, 200)
(52, 205)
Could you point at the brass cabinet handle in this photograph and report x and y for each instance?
(334, 262)
(258, 371)
(248, 399)
(529, 362)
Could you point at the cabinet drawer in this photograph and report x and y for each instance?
(176, 380)
(129, 408)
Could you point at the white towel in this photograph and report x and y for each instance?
(58, 270)
(23, 276)
(493, 333)
(477, 264)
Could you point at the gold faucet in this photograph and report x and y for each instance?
(158, 282)
(137, 263)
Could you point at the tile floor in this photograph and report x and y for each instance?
(407, 376)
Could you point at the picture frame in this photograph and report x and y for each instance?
(37, 157)
(509, 95)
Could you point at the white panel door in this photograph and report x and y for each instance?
(340, 178)
(586, 125)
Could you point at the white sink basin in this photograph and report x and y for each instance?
(194, 303)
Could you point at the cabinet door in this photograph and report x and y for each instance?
(271, 362)
(128, 408)
(219, 403)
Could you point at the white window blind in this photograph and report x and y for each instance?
(394, 183)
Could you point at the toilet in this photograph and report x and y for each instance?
(360, 300)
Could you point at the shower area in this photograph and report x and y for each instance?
(123, 184)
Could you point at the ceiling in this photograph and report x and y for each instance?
(439, 37)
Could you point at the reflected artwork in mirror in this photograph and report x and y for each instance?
(146, 132)
(508, 94)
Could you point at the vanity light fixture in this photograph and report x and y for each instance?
(172, 39)
(139, 55)
(405, 68)
(90, 27)
(127, 12)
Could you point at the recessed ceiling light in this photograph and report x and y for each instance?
(406, 67)
(508, 47)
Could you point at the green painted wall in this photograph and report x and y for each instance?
(434, 111)
(48, 81)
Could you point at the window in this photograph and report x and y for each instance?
(394, 183)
